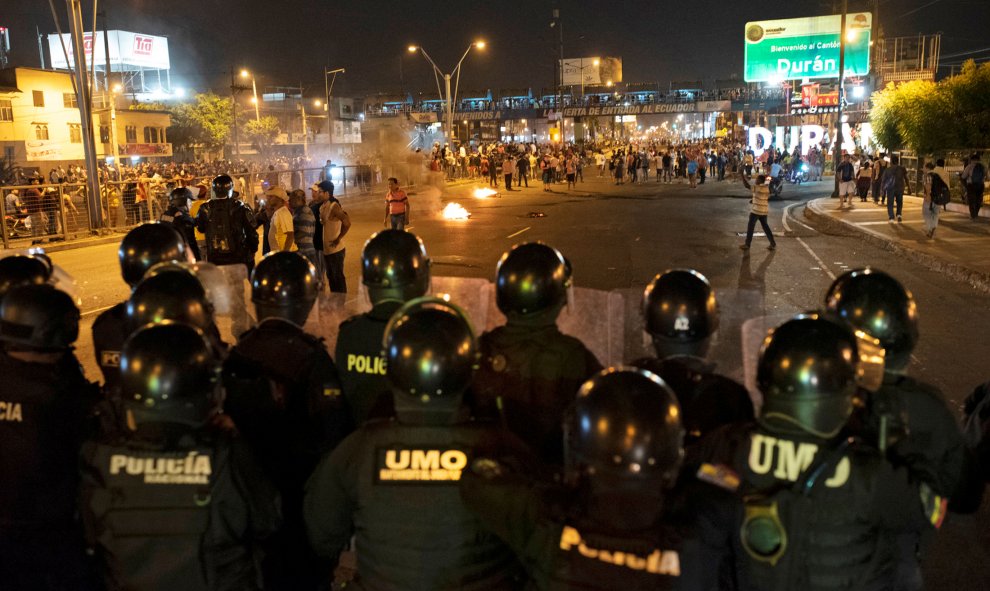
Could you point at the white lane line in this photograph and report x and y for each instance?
(514, 234)
(821, 263)
(96, 311)
(787, 214)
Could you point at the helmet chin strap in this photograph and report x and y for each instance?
(801, 427)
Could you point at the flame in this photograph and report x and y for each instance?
(484, 193)
(454, 211)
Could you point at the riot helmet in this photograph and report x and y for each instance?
(431, 352)
(169, 374)
(147, 245)
(180, 197)
(531, 278)
(394, 265)
(680, 312)
(623, 445)
(170, 294)
(874, 302)
(38, 318)
(23, 270)
(808, 371)
(223, 187)
(284, 285)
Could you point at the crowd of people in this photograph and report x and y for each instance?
(440, 459)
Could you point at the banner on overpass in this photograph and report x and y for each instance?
(654, 109)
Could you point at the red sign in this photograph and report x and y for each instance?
(143, 45)
(144, 149)
(810, 97)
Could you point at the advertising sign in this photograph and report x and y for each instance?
(128, 51)
(52, 150)
(798, 48)
(144, 149)
(591, 70)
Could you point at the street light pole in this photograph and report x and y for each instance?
(254, 89)
(329, 88)
(233, 113)
(448, 98)
(85, 100)
(839, 139)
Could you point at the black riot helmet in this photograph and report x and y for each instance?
(284, 285)
(808, 372)
(180, 197)
(169, 374)
(174, 294)
(394, 265)
(23, 270)
(531, 278)
(625, 421)
(680, 312)
(430, 351)
(223, 187)
(38, 318)
(874, 302)
(147, 245)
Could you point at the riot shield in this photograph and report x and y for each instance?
(329, 311)
(60, 278)
(470, 294)
(754, 331)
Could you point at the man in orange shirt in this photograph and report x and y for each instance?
(396, 206)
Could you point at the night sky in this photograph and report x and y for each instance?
(287, 42)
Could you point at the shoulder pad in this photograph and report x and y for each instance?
(487, 468)
(719, 475)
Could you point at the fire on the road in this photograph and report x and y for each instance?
(484, 193)
(454, 211)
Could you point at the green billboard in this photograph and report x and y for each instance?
(799, 48)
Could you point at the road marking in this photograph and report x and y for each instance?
(514, 234)
(882, 222)
(787, 214)
(96, 311)
(820, 262)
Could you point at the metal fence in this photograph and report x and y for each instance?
(35, 214)
(954, 164)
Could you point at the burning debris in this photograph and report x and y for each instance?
(455, 211)
(484, 193)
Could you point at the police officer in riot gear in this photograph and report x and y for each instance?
(231, 234)
(681, 314)
(171, 503)
(617, 522)
(142, 248)
(395, 480)
(22, 269)
(284, 396)
(530, 371)
(394, 269)
(821, 508)
(44, 404)
(908, 419)
(171, 292)
(177, 214)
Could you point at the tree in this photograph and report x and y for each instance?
(203, 121)
(262, 133)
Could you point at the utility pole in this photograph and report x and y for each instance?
(233, 113)
(839, 139)
(328, 84)
(302, 105)
(108, 89)
(41, 47)
(84, 98)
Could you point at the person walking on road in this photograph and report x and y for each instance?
(508, 169)
(522, 165)
(759, 210)
(893, 183)
(936, 181)
(973, 177)
(847, 182)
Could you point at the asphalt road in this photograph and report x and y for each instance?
(618, 238)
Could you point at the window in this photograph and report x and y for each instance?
(6, 110)
(69, 100)
(39, 98)
(75, 133)
(154, 135)
(41, 131)
(104, 134)
(130, 134)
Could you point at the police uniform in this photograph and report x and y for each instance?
(394, 486)
(110, 330)
(529, 374)
(186, 226)
(361, 363)
(183, 517)
(43, 422)
(708, 400)
(818, 514)
(289, 431)
(231, 234)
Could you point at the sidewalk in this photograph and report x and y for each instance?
(960, 249)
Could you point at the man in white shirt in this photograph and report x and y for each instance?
(281, 235)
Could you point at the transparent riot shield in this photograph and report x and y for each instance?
(471, 294)
(754, 332)
(329, 311)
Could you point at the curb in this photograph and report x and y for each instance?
(979, 280)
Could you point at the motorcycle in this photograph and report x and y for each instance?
(18, 226)
(801, 175)
(777, 186)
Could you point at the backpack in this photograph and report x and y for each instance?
(940, 191)
(224, 239)
(977, 176)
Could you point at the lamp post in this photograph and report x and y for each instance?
(581, 70)
(837, 149)
(254, 89)
(326, 105)
(437, 73)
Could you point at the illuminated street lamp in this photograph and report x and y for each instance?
(437, 73)
(254, 89)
